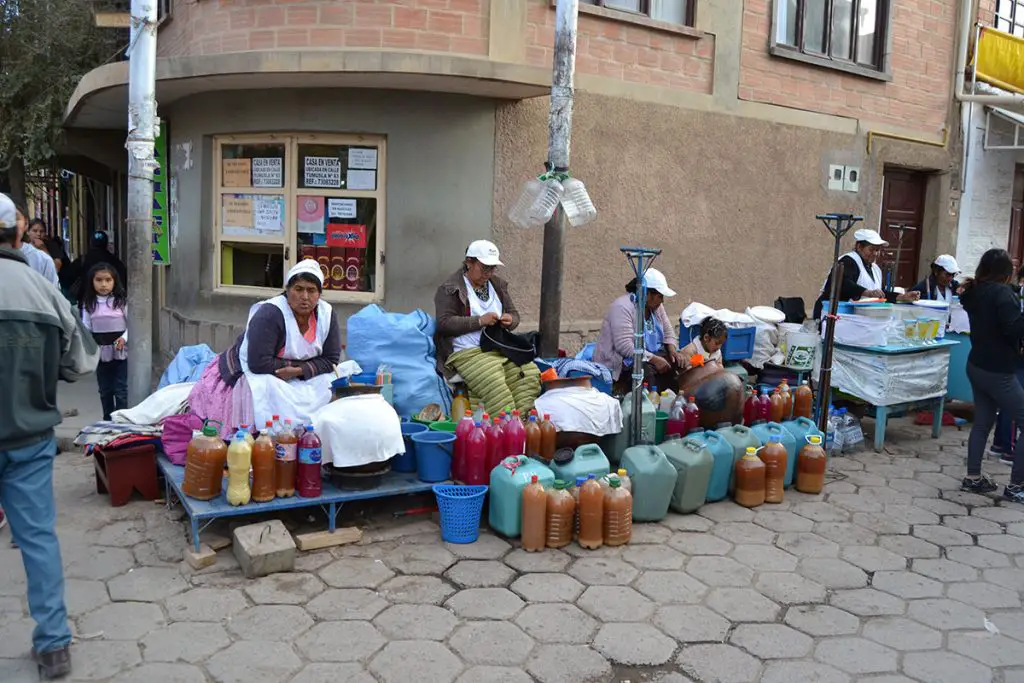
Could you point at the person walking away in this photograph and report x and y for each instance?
(1007, 431)
(105, 314)
(39, 260)
(997, 330)
(44, 342)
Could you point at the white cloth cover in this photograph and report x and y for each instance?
(888, 379)
(695, 313)
(581, 409)
(359, 430)
(157, 406)
(766, 342)
(477, 308)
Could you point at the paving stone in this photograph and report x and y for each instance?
(746, 532)
(719, 571)
(187, 642)
(650, 534)
(838, 487)
(677, 522)
(340, 641)
(972, 525)
(343, 604)
(911, 514)
(914, 488)
(671, 587)
(691, 623)
(96, 563)
(494, 674)
(868, 602)
(822, 620)
(615, 603)
(885, 678)
(832, 573)
(909, 547)
(940, 507)
(742, 604)
(415, 660)
(1001, 514)
(788, 588)
(726, 511)
(983, 595)
(122, 534)
(721, 663)
(765, 558)
(881, 523)
(547, 588)
(634, 644)
(415, 622)
(907, 584)
(772, 641)
(900, 633)
(311, 562)
(284, 589)
(557, 623)
(981, 558)
(547, 561)
(945, 667)
(987, 648)
(696, 543)
(162, 673)
(605, 552)
(821, 512)
(146, 584)
(1007, 578)
(938, 480)
(807, 545)
(600, 571)
(945, 614)
(567, 664)
(480, 574)
(16, 637)
(865, 478)
(944, 570)
(805, 672)
(845, 533)
(271, 622)
(81, 596)
(969, 500)
(355, 572)
(485, 603)
(782, 520)
(98, 660)
(486, 547)
(205, 604)
(855, 655)
(653, 557)
(419, 558)
(1011, 545)
(333, 673)
(1015, 528)
(873, 558)
(254, 662)
(855, 502)
(670, 677)
(123, 620)
(493, 642)
(424, 590)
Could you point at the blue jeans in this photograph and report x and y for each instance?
(112, 379)
(26, 495)
(1007, 432)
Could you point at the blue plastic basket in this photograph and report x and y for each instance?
(460, 508)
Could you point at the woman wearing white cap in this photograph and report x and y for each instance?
(862, 278)
(941, 285)
(282, 365)
(662, 359)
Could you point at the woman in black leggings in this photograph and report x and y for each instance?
(997, 332)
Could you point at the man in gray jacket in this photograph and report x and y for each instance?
(41, 341)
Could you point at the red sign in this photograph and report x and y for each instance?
(348, 236)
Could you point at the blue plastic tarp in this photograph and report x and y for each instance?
(188, 365)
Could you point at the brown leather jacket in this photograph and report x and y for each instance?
(451, 308)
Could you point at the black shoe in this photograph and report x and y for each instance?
(54, 663)
(980, 485)
(1006, 458)
(1014, 492)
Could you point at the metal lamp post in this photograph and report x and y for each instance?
(640, 260)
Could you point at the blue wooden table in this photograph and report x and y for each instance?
(202, 513)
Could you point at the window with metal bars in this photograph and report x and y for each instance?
(679, 12)
(849, 32)
(1010, 17)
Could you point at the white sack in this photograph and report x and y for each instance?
(359, 430)
(695, 313)
(888, 379)
(766, 342)
(160, 404)
(581, 409)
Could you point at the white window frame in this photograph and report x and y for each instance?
(291, 190)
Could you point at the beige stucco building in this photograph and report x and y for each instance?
(706, 128)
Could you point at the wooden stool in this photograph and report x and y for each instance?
(123, 470)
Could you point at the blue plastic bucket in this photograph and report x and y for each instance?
(434, 455)
(406, 462)
(460, 508)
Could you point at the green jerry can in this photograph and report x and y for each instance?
(614, 445)
(508, 480)
(694, 463)
(587, 459)
(740, 438)
(653, 480)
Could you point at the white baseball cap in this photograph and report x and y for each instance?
(871, 237)
(485, 252)
(948, 264)
(655, 279)
(8, 213)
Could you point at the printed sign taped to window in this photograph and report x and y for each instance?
(322, 172)
(237, 172)
(267, 172)
(238, 212)
(362, 157)
(310, 214)
(348, 236)
(341, 208)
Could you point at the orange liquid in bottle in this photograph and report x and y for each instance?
(618, 514)
(591, 515)
(264, 486)
(778, 406)
(535, 502)
(787, 400)
(560, 513)
(286, 462)
(205, 459)
(774, 457)
(810, 467)
(803, 401)
(749, 476)
(548, 439)
(533, 437)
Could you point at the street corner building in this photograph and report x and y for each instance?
(381, 138)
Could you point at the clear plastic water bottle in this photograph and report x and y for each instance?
(853, 435)
(536, 203)
(835, 428)
(577, 204)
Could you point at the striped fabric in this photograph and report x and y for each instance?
(497, 381)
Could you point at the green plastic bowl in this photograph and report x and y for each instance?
(659, 426)
(443, 426)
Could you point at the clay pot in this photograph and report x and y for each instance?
(718, 394)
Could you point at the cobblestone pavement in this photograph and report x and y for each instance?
(893, 575)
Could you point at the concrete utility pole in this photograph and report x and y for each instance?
(559, 135)
(143, 126)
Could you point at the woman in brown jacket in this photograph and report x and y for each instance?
(470, 300)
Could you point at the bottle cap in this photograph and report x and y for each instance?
(309, 428)
(209, 430)
(776, 438)
(692, 399)
(621, 472)
(270, 423)
(485, 417)
(591, 476)
(277, 417)
(547, 416)
(814, 439)
(469, 413)
(533, 479)
(533, 418)
(559, 484)
(240, 435)
(579, 481)
(497, 420)
(751, 451)
(614, 482)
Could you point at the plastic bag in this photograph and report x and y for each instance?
(359, 430)
(888, 379)
(188, 365)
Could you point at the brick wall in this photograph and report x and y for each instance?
(917, 97)
(987, 12)
(219, 26)
(616, 49)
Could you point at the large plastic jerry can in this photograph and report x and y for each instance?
(587, 459)
(508, 480)
(766, 430)
(740, 438)
(653, 480)
(721, 470)
(694, 464)
(614, 445)
(800, 428)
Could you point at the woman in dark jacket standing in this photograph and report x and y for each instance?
(997, 333)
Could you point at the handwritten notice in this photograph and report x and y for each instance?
(361, 180)
(237, 172)
(341, 208)
(362, 157)
(269, 215)
(267, 172)
(238, 212)
(322, 172)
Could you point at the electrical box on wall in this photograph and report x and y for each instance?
(836, 174)
(851, 179)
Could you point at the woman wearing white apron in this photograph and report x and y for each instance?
(862, 278)
(941, 285)
(283, 364)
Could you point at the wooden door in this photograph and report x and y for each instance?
(1016, 242)
(902, 207)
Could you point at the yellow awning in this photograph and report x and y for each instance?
(999, 60)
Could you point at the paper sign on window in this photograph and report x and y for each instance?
(322, 172)
(362, 157)
(310, 214)
(237, 173)
(361, 180)
(269, 215)
(267, 172)
(238, 212)
(346, 236)
(341, 208)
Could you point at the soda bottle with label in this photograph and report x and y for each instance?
(310, 456)
(286, 456)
